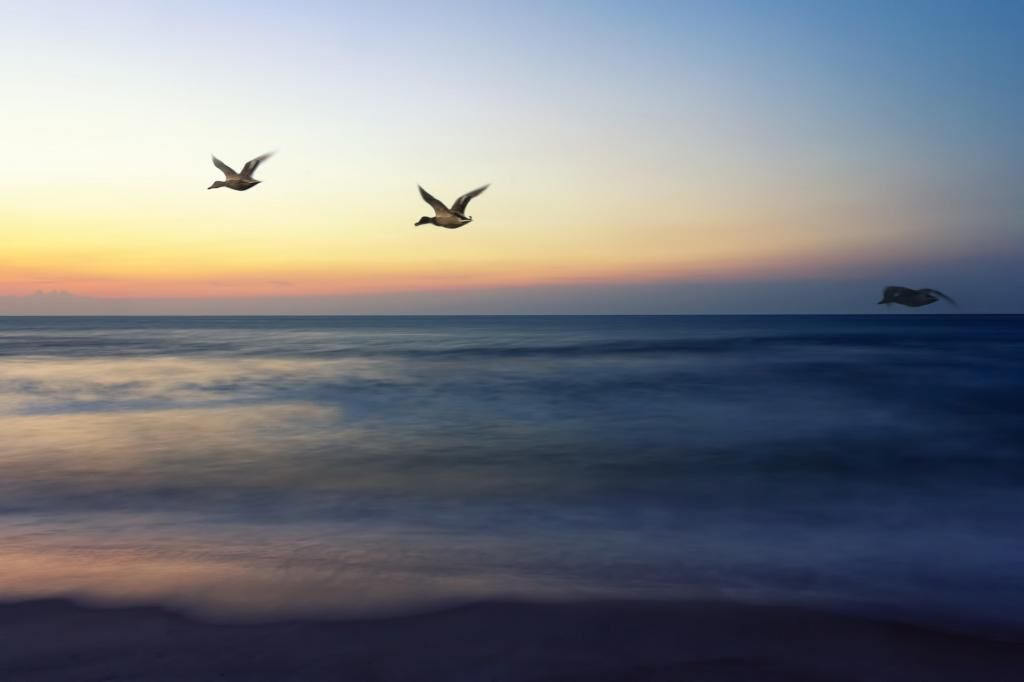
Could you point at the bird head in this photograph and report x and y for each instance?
(425, 221)
(216, 184)
(891, 295)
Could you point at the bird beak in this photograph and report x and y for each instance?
(881, 302)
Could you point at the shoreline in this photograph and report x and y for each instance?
(60, 640)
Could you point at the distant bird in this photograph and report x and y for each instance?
(915, 298)
(453, 217)
(238, 181)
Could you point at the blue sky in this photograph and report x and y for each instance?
(679, 146)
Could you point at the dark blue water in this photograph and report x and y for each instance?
(291, 464)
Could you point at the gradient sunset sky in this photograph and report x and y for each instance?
(685, 156)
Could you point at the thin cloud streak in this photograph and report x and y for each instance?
(981, 285)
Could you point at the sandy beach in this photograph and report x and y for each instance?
(60, 641)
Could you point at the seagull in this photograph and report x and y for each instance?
(454, 217)
(238, 181)
(915, 298)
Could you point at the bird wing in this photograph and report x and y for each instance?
(439, 208)
(940, 295)
(224, 168)
(460, 204)
(251, 166)
(893, 291)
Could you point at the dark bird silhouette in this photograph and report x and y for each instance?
(451, 218)
(915, 298)
(238, 181)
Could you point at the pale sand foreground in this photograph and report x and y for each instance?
(55, 640)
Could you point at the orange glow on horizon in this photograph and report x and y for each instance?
(344, 279)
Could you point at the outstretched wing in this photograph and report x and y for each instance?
(439, 208)
(940, 295)
(224, 168)
(460, 204)
(251, 166)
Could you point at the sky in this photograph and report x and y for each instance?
(666, 157)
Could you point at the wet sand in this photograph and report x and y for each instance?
(58, 640)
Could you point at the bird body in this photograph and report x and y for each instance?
(238, 181)
(450, 218)
(914, 298)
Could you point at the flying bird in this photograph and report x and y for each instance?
(454, 217)
(915, 298)
(238, 181)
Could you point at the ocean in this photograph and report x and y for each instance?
(259, 467)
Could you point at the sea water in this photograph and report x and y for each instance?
(286, 465)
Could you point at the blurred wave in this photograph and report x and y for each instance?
(384, 460)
